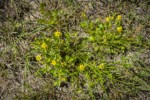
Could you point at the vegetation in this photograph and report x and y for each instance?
(71, 49)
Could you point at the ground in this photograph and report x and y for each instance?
(18, 28)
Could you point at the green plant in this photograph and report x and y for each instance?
(74, 53)
(86, 62)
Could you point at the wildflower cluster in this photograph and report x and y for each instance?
(69, 56)
(63, 58)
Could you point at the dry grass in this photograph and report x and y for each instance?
(17, 65)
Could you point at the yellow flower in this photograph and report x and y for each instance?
(119, 29)
(57, 34)
(101, 66)
(38, 57)
(119, 17)
(107, 19)
(44, 46)
(81, 67)
(53, 62)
